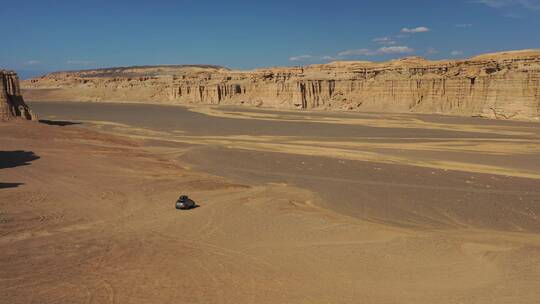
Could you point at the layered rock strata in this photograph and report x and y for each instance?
(12, 104)
(500, 85)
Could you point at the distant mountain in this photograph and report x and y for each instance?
(143, 70)
(503, 85)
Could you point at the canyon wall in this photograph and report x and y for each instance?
(500, 85)
(12, 104)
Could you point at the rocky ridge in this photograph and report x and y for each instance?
(500, 85)
(12, 104)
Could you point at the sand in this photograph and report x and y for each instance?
(294, 211)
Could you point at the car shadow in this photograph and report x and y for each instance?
(194, 207)
(60, 123)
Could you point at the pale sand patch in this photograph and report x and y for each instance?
(357, 150)
(373, 120)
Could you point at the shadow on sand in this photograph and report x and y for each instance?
(10, 185)
(12, 159)
(60, 123)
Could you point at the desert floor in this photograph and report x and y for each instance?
(295, 207)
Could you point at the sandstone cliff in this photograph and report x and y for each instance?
(11, 101)
(501, 85)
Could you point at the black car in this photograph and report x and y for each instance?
(184, 203)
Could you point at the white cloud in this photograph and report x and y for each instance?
(301, 58)
(431, 51)
(530, 4)
(387, 50)
(495, 3)
(463, 25)
(79, 62)
(358, 52)
(312, 58)
(513, 16)
(395, 50)
(527, 4)
(456, 53)
(32, 62)
(420, 29)
(384, 41)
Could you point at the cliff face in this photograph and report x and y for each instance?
(11, 101)
(502, 85)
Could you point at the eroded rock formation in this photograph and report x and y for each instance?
(12, 104)
(501, 85)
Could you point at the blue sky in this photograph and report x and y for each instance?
(41, 36)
